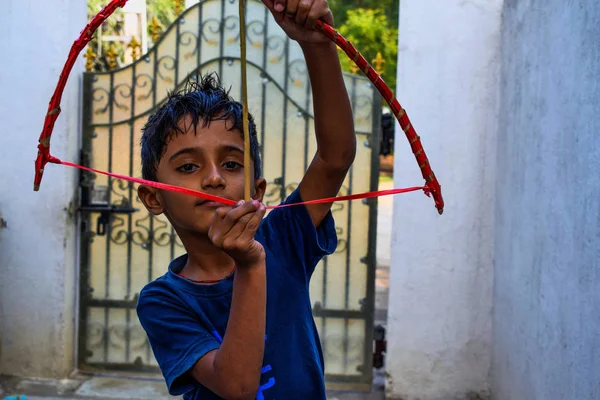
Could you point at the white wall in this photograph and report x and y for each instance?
(37, 249)
(441, 271)
(547, 274)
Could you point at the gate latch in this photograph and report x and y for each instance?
(96, 199)
(106, 213)
(380, 346)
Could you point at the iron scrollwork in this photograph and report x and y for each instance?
(102, 96)
(143, 81)
(166, 64)
(188, 39)
(153, 75)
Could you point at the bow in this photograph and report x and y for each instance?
(432, 186)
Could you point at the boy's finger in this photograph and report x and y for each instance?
(279, 5)
(253, 223)
(218, 217)
(238, 212)
(232, 225)
(279, 16)
(291, 6)
(319, 13)
(229, 239)
(303, 11)
(221, 212)
(225, 218)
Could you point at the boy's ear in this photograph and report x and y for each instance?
(260, 186)
(151, 199)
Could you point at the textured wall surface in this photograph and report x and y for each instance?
(441, 271)
(547, 273)
(37, 249)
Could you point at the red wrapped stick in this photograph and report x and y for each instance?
(415, 142)
(54, 107)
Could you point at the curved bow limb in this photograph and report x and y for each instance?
(415, 142)
(84, 38)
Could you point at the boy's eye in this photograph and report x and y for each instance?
(187, 168)
(232, 165)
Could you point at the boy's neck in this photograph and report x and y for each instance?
(205, 261)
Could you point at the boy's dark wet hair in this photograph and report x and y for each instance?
(204, 100)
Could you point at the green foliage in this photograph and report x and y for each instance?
(371, 25)
(112, 26)
(164, 10)
(340, 8)
(370, 32)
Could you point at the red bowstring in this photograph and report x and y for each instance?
(225, 201)
(432, 186)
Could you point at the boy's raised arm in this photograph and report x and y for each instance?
(334, 128)
(334, 124)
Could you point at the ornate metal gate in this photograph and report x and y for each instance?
(124, 247)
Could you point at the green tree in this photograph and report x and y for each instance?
(370, 32)
(340, 8)
(370, 24)
(112, 26)
(164, 10)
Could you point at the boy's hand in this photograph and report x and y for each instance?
(298, 18)
(233, 230)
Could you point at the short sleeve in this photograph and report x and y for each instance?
(175, 335)
(290, 231)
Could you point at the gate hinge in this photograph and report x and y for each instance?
(380, 345)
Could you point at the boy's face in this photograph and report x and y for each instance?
(208, 159)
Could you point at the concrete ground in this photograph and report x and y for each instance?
(113, 388)
(143, 388)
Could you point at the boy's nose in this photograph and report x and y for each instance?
(213, 179)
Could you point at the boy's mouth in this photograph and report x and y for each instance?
(209, 203)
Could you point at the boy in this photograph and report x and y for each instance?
(232, 318)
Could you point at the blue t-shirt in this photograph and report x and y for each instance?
(184, 320)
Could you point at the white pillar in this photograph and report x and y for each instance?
(547, 248)
(441, 269)
(38, 247)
